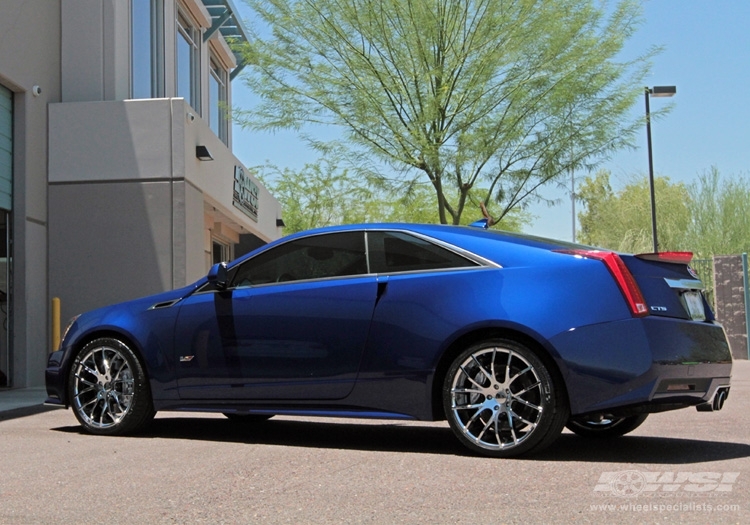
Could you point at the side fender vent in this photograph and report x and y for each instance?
(165, 304)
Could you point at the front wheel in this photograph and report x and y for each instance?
(501, 400)
(108, 389)
(604, 427)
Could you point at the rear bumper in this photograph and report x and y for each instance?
(644, 365)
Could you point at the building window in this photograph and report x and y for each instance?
(217, 100)
(220, 252)
(147, 48)
(188, 61)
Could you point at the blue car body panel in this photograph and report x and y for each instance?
(294, 341)
(375, 345)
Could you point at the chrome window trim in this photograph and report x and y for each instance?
(357, 276)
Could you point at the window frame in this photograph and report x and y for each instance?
(187, 32)
(218, 75)
(155, 50)
(225, 249)
(236, 273)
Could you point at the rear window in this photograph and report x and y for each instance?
(400, 252)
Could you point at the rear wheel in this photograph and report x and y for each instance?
(605, 428)
(108, 389)
(501, 400)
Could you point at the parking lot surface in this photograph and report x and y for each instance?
(678, 467)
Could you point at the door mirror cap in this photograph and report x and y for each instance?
(217, 275)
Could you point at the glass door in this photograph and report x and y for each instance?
(5, 361)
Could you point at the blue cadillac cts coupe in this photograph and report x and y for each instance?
(508, 337)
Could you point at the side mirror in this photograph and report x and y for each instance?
(217, 275)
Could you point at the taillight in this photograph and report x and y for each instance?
(624, 279)
(670, 257)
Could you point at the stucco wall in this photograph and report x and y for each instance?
(116, 140)
(109, 242)
(150, 140)
(127, 198)
(94, 50)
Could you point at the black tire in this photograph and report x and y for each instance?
(108, 389)
(247, 418)
(501, 400)
(605, 428)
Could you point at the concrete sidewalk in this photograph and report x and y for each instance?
(12, 399)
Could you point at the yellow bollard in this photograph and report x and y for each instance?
(55, 323)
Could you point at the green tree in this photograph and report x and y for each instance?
(621, 220)
(318, 195)
(719, 215)
(325, 193)
(482, 100)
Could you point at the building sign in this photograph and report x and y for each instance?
(245, 195)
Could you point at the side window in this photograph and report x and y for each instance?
(399, 252)
(217, 100)
(317, 257)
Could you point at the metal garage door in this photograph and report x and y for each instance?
(6, 148)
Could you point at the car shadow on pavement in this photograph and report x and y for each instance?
(642, 449)
(386, 437)
(15, 413)
(429, 439)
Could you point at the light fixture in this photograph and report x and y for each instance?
(280, 223)
(663, 91)
(656, 91)
(202, 153)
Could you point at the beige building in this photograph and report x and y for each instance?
(117, 177)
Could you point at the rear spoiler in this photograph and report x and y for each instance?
(670, 257)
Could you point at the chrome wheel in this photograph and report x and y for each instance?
(107, 387)
(500, 400)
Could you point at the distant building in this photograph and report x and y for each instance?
(117, 177)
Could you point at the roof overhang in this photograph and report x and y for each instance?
(225, 18)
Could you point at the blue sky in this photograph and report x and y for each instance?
(706, 55)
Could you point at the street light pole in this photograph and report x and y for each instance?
(573, 201)
(647, 93)
(656, 91)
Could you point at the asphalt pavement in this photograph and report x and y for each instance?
(678, 467)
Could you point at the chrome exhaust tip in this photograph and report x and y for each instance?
(716, 403)
(720, 398)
